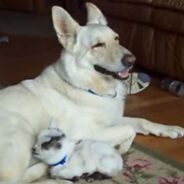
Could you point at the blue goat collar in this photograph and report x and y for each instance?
(61, 162)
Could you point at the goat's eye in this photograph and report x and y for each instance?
(98, 45)
(58, 146)
(45, 145)
(57, 138)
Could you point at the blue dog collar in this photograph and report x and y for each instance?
(88, 90)
(93, 93)
(61, 162)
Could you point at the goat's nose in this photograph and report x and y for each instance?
(128, 60)
(33, 150)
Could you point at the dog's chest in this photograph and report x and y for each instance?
(79, 119)
(79, 114)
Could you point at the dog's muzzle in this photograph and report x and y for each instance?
(128, 60)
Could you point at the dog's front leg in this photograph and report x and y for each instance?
(146, 127)
(45, 181)
(119, 134)
(35, 172)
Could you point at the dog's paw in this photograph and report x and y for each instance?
(172, 131)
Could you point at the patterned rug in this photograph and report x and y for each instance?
(142, 166)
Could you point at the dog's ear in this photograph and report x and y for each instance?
(65, 26)
(95, 16)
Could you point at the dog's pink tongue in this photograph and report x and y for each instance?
(123, 74)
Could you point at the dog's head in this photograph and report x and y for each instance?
(95, 45)
(52, 145)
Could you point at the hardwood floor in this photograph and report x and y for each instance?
(159, 106)
(24, 57)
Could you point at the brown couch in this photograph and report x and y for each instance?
(152, 29)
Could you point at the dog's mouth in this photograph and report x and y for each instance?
(118, 75)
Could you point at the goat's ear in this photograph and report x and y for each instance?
(52, 123)
(95, 16)
(65, 26)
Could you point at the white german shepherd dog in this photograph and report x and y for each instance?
(81, 90)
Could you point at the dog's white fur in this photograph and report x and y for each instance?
(61, 92)
(86, 156)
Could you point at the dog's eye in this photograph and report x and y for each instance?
(98, 45)
(116, 38)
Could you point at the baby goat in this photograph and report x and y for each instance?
(69, 159)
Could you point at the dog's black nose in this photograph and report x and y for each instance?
(128, 60)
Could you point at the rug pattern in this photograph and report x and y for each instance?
(142, 168)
